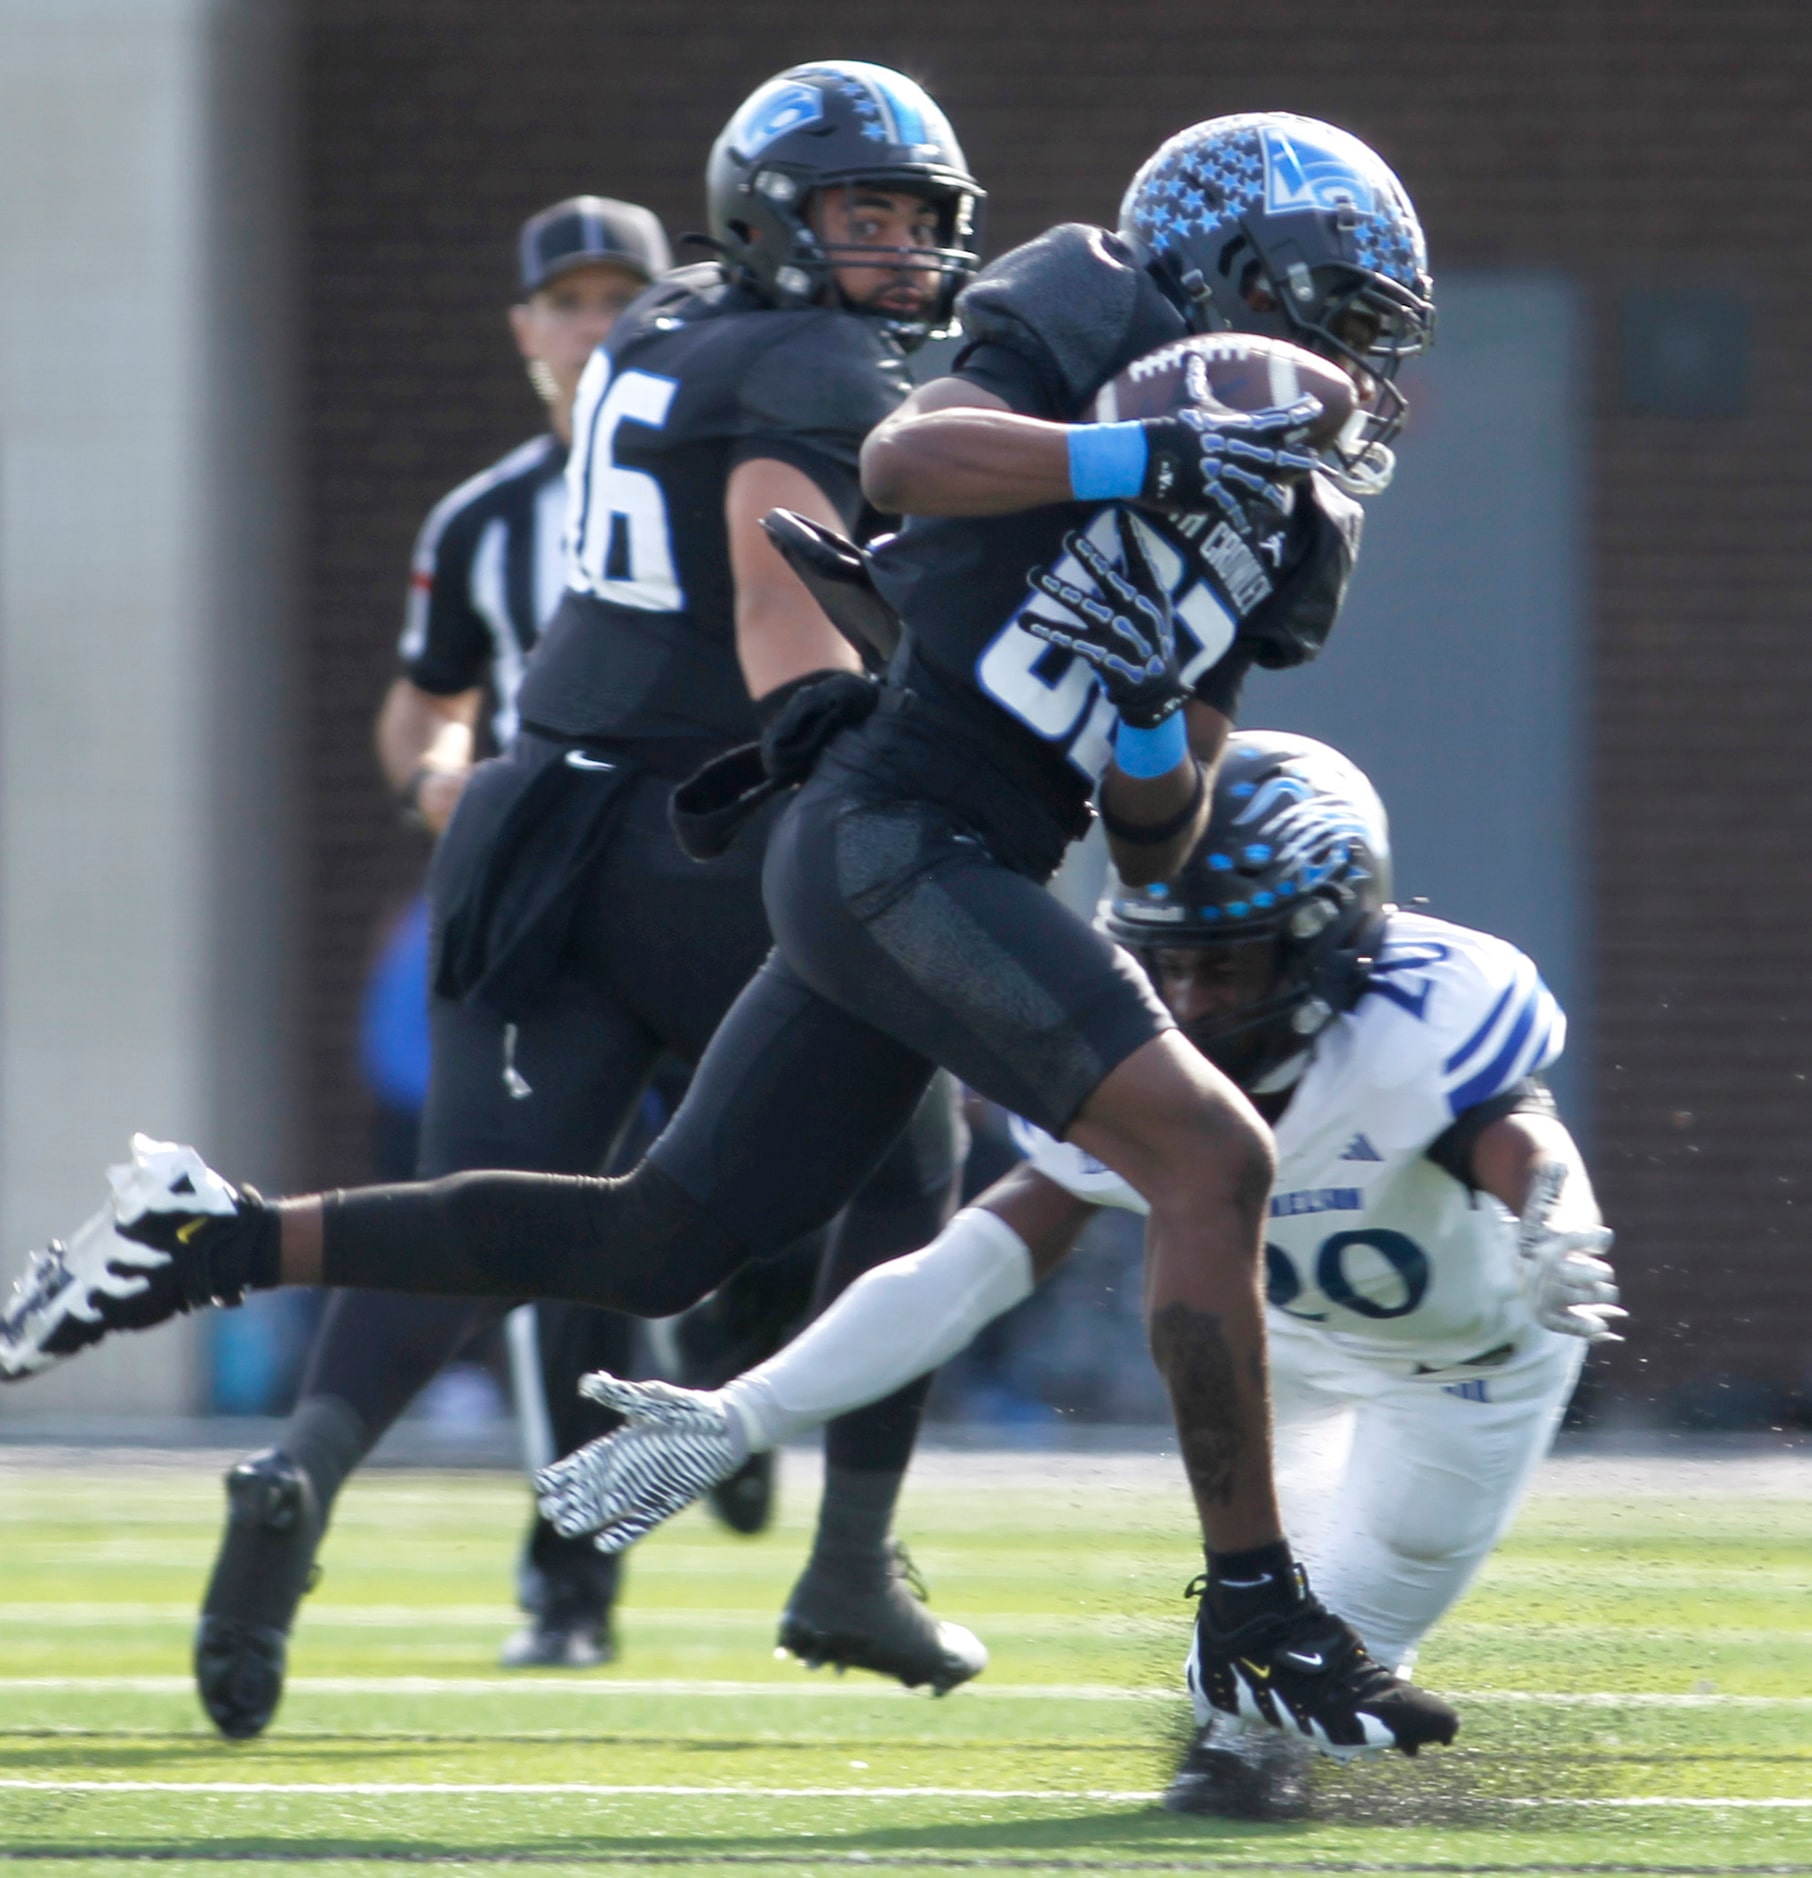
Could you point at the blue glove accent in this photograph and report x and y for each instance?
(1107, 461)
(1154, 752)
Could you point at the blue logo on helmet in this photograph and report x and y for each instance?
(1304, 172)
(772, 112)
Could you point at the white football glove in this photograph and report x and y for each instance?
(1565, 1277)
(676, 1445)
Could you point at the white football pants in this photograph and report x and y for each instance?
(1394, 1489)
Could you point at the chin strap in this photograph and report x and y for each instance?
(1285, 1076)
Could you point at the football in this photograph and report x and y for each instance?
(1237, 372)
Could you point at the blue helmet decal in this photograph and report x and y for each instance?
(773, 111)
(1203, 182)
(1308, 171)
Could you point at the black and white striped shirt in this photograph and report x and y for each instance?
(488, 570)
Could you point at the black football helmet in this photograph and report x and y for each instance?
(838, 121)
(1297, 851)
(1277, 224)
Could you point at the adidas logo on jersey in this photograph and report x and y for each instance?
(1359, 1149)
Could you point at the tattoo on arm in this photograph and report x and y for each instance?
(1198, 1368)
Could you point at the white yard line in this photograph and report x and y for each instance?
(596, 1790)
(608, 1687)
(1683, 1470)
(735, 1623)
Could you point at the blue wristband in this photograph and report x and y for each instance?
(1154, 752)
(1107, 461)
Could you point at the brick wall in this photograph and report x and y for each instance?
(1632, 145)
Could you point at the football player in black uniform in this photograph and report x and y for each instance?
(575, 942)
(904, 884)
(487, 571)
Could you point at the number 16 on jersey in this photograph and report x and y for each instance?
(619, 545)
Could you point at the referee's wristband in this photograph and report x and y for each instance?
(1153, 752)
(1107, 461)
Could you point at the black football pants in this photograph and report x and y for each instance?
(662, 947)
(901, 944)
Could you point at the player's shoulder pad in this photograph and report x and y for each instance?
(1075, 303)
(1291, 625)
(686, 294)
(1463, 1008)
(818, 370)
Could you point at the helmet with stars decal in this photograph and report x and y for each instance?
(1271, 223)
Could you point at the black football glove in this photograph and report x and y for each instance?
(1128, 631)
(1200, 459)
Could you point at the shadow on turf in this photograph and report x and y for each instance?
(1148, 1839)
(1009, 1847)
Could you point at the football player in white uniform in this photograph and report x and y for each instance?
(1435, 1255)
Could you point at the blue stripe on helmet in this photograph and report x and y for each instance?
(899, 99)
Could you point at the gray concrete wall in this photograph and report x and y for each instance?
(146, 509)
(1458, 677)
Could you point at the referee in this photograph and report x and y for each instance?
(488, 568)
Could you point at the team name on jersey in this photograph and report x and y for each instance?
(1242, 573)
(1317, 1200)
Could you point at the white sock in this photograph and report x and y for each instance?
(891, 1326)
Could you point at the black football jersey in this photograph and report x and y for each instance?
(487, 571)
(696, 378)
(1048, 325)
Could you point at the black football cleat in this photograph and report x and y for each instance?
(266, 1564)
(1251, 1773)
(173, 1236)
(744, 1500)
(568, 1591)
(1305, 1672)
(872, 1615)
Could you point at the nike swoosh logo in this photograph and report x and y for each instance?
(577, 759)
(1261, 1670)
(187, 1232)
(1303, 1660)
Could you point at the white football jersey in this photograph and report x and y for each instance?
(1369, 1242)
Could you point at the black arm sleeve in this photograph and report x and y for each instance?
(1452, 1149)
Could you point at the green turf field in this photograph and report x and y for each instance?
(1635, 1674)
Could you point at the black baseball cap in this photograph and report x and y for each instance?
(585, 229)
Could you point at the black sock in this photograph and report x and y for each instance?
(325, 1437)
(1261, 1582)
(855, 1516)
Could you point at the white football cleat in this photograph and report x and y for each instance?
(174, 1235)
